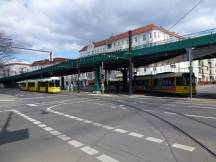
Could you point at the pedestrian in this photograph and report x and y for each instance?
(71, 87)
(67, 87)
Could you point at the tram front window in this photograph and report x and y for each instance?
(57, 83)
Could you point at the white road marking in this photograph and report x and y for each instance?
(48, 129)
(196, 107)
(37, 122)
(120, 130)
(105, 158)
(198, 116)
(32, 105)
(87, 121)
(113, 107)
(42, 125)
(169, 113)
(97, 124)
(152, 139)
(72, 117)
(99, 104)
(172, 105)
(89, 150)
(107, 127)
(55, 133)
(75, 143)
(30, 119)
(136, 135)
(183, 147)
(64, 137)
(6, 100)
(79, 119)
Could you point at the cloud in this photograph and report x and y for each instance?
(69, 24)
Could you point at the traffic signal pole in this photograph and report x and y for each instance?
(190, 58)
(130, 92)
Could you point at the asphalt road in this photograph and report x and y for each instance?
(38, 127)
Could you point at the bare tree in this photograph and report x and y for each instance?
(6, 52)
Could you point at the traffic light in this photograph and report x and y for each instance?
(102, 76)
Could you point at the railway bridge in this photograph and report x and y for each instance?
(201, 44)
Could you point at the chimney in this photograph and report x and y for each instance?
(51, 56)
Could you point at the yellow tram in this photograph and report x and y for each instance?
(48, 85)
(177, 83)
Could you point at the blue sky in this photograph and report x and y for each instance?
(65, 26)
(30, 57)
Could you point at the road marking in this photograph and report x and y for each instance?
(64, 137)
(37, 122)
(99, 104)
(32, 105)
(169, 113)
(75, 143)
(136, 135)
(198, 116)
(105, 158)
(113, 107)
(79, 119)
(152, 139)
(195, 107)
(172, 105)
(89, 150)
(183, 147)
(32, 120)
(120, 130)
(42, 125)
(6, 100)
(55, 133)
(97, 124)
(87, 121)
(107, 127)
(48, 129)
(72, 117)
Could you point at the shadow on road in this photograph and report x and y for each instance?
(13, 136)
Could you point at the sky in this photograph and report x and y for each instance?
(65, 26)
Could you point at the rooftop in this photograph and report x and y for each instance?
(134, 32)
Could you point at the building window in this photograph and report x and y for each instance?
(144, 37)
(155, 35)
(150, 35)
(135, 39)
(109, 46)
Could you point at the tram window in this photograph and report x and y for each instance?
(31, 84)
(179, 81)
(52, 84)
(57, 83)
(42, 84)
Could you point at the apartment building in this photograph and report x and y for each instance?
(15, 68)
(204, 69)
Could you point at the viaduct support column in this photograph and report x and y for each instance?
(97, 88)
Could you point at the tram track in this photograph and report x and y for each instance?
(179, 129)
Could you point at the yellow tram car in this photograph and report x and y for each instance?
(176, 83)
(169, 82)
(48, 85)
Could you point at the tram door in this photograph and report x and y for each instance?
(47, 86)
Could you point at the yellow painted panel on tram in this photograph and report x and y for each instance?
(184, 89)
(54, 89)
(42, 89)
(32, 88)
